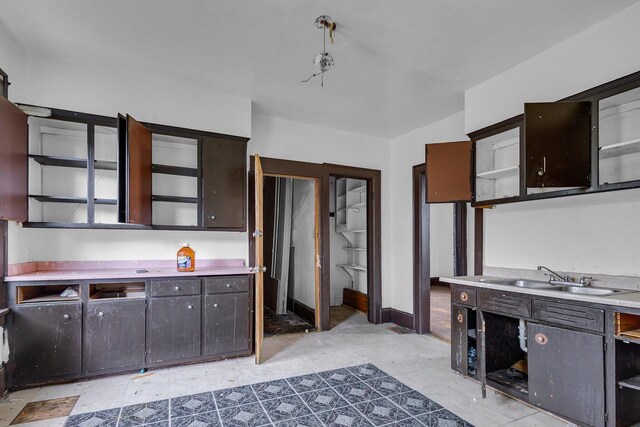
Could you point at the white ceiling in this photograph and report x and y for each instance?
(399, 64)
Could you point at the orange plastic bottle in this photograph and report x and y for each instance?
(186, 259)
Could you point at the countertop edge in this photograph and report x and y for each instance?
(613, 300)
(56, 276)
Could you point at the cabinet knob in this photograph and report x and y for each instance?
(66, 316)
(101, 314)
(212, 217)
(177, 288)
(460, 318)
(464, 296)
(215, 305)
(228, 285)
(190, 307)
(541, 339)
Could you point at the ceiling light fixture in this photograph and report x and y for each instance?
(324, 60)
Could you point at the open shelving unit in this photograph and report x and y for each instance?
(102, 291)
(498, 165)
(627, 356)
(619, 137)
(50, 293)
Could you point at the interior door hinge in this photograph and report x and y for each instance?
(257, 233)
(605, 346)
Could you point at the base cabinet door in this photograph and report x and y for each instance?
(226, 323)
(459, 341)
(566, 373)
(114, 334)
(174, 328)
(48, 340)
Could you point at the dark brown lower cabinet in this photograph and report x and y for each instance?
(48, 340)
(566, 373)
(114, 334)
(226, 323)
(174, 328)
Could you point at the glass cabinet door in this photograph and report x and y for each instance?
(619, 137)
(498, 166)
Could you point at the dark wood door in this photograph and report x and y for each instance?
(459, 339)
(114, 334)
(49, 343)
(448, 172)
(174, 328)
(226, 323)
(134, 172)
(14, 147)
(557, 144)
(566, 373)
(224, 170)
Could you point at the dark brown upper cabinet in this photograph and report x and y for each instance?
(224, 171)
(448, 167)
(134, 172)
(14, 147)
(557, 144)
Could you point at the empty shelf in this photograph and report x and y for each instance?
(361, 189)
(499, 173)
(174, 170)
(71, 162)
(353, 231)
(633, 383)
(620, 148)
(353, 267)
(70, 199)
(355, 249)
(174, 199)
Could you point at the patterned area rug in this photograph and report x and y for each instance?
(358, 396)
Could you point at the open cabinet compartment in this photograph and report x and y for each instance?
(100, 291)
(627, 368)
(105, 179)
(502, 354)
(498, 165)
(619, 137)
(47, 293)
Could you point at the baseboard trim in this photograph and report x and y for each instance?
(355, 299)
(304, 311)
(399, 317)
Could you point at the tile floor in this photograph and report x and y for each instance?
(420, 362)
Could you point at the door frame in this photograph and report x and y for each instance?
(323, 172)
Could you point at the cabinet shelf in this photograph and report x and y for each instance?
(620, 148)
(353, 267)
(65, 199)
(174, 170)
(347, 248)
(361, 189)
(174, 199)
(499, 173)
(633, 383)
(353, 231)
(71, 162)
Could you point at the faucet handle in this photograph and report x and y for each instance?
(584, 280)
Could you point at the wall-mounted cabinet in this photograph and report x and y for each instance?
(87, 171)
(448, 172)
(497, 165)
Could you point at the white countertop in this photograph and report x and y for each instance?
(630, 299)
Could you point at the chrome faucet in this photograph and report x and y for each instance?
(553, 274)
(559, 279)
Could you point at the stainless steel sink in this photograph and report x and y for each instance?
(522, 283)
(589, 291)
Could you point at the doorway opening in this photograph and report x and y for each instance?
(289, 255)
(348, 250)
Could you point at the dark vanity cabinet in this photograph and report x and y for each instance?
(114, 334)
(226, 320)
(48, 341)
(566, 373)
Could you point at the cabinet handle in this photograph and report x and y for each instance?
(541, 339)
(544, 166)
(190, 307)
(464, 296)
(460, 318)
(66, 316)
(177, 288)
(228, 285)
(212, 217)
(215, 305)
(101, 314)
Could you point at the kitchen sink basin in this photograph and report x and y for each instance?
(521, 283)
(588, 291)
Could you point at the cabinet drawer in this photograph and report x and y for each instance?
(501, 303)
(223, 285)
(574, 316)
(165, 288)
(463, 296)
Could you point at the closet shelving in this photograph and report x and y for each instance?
(351, 222)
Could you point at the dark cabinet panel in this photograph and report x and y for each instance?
(174, 328)
(459, 339)
(448, 167)
(48, 341)
(224, 170)
(134, 172)
(114, 334)
(557, 144)
(165, 288)
(218, 285)
(564, 314)
(226, 323)
(498, 302)
(463, 296)
(13, 162)
(566, 373)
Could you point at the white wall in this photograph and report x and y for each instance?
(303, 240)
(597, 233)
(601, 53)
(407, 151)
